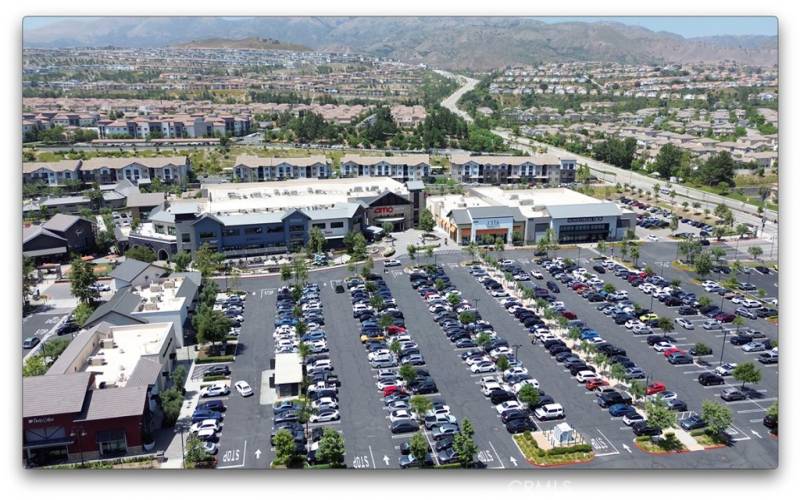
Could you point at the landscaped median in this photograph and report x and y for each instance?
(563, 455)
(668, 443)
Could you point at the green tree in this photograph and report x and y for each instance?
(418, 446)
(143, 254)
(666, 324)
(34, 366)
(420, 405)
(195, 453)
(502, 363)
(28, 278)
(331, 448)
(717, 417)
(359, 251)
(426, 222)
(286, 272)
(299, 271)
(464, 444)
(82, 281)
(637, 389)
(316, 240)
(182, 261)
(179, 377)
(408, 373)
(412, 252)
(658, 415)
(171, 403)
(529, 395)
(467, 317)
(602, 246)
(703, 264)
(285, 449)
(756, 252)
(746, 373)
(211, 326)
(207, 260)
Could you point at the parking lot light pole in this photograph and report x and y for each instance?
(476, 304)
(516, 350)
(724, 341)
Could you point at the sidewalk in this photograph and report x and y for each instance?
(173, 454)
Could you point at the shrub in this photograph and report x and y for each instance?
(214, 359)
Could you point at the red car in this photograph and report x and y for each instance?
(655, 388)
(724, 317)
(578, 285)
(388, 391)
(394, 329)
(569, 315)
(595, 383)
(672, 350)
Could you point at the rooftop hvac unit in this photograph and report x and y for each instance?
(97, 360)
(107, 343)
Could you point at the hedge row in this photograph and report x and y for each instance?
(213, 378)
(214, 359)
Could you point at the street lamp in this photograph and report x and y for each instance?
(181, 428)
(516, 350)
(724, 341)
(78, 433)
(476, 304)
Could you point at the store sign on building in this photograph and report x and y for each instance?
(384, 210)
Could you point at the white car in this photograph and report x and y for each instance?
(392, 263)
(325, 416)
(507, 406)
(489, 387)
(584, 376)
(209, 423)
(549, 411)
(515, 371)
(711, 324)
(476, 360)
(214, 390)
(482, 367)
(506, 262)
(499, 293)
(632, 323)
(244, 388)
(500, 351)
(325, 402)
(725, 369)
(631, 418)
(537, 275)
(641, 329)
(685, 323)
(652, 237)
(402, 414)
(663, 346)
(751, 303)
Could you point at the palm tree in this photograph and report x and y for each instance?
(635, 254)
(602, 246)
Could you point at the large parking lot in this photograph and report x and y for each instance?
(365, 414)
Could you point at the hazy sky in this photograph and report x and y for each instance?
(685, 26)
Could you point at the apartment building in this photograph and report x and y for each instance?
(402, 168)
(250, 168)
(111, 170)
(538, 169)
(54, 173)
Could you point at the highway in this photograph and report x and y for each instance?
(743, 212)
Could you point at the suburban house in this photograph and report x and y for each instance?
(40, 244)
(78, 231)
(539, 169)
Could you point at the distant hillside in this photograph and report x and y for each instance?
(479, 43)
(253, 42)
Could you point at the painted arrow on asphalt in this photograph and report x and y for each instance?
(755, 434)
(386, 460)
(627, 448)
(513, 461)
(258, 454)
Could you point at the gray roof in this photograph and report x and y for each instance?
(130, 269)
(146, 371)
(415, 185)
(603, 209)
(136, 199)
(31, 232)
(190, 285)
(160, 214)
(62, 365)
(125, 187)
(65, 200)
(115, 403)
(61, 222)
(460, 216)
(53, 394)
(123, 302)
(112, 196)
(499, 211)
(339, 211)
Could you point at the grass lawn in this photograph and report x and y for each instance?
(665, 445)
(706, 439)
(556, 456)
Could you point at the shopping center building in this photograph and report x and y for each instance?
(483, 214)
(243, 219)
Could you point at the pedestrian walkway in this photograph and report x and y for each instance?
(173, 454)
(687, 439)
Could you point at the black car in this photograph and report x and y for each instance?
(709, 378)
(676, 405)
(600, 269)
(501, 397)
(771, 423)
(655, 339)
(741, 339)
(687, 310)
(68, 327)
(513, 415)
(611, 398)
(217, 370)
(517, 425)
(401, 426)
(213, 405)
(551, 285)
(644, 429)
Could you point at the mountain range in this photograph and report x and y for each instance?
(478, 43)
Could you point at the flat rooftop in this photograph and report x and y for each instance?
(295, 193)
(288, 369)
(130, 343)
(161, 296)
